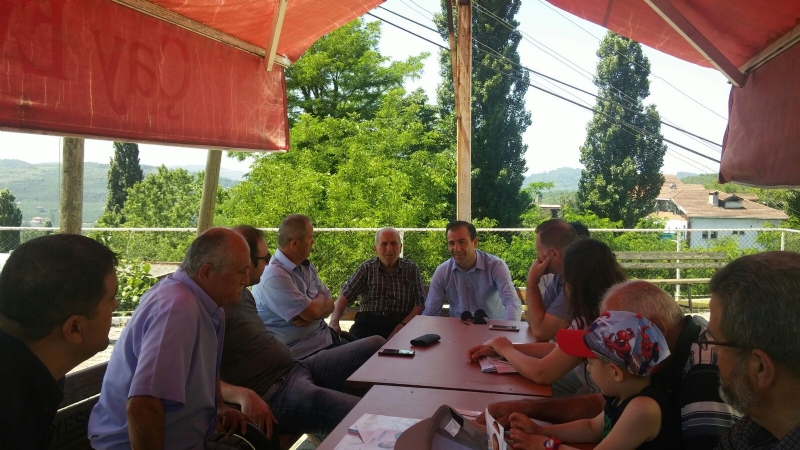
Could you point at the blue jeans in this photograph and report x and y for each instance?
(312, 398)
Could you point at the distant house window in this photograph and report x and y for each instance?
(713, 235)
(738, 232)
(705, 234)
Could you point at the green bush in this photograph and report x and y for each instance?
(134, 280)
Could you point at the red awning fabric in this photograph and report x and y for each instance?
(761, 143)
(98, 68)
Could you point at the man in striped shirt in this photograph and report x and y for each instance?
(390, 288)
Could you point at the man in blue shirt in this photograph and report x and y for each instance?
(548, 313)
(161, 389)
(292, 300)
(471, 279)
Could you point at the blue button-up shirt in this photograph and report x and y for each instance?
(487, 286)
(171, 349)
(284, 291)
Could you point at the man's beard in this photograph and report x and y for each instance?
(737, 392)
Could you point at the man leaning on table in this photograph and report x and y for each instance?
(390, 288)
(471, 279)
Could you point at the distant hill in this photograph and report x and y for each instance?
(36, 187)
(565, 178)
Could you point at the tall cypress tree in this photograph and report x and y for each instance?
(622, 166)
(499, 117)
(10, 216)
(124, 171)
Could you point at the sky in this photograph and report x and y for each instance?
(554, 43)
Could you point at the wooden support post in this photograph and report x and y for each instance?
(210, 183)
(71, 186)
(463, 93)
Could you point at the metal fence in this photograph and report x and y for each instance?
(338, 251)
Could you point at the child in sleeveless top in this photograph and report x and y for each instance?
(623, 350)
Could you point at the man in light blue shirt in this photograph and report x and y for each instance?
(472, 279)
(161, 389)
(292, 300)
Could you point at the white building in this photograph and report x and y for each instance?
(691, 206)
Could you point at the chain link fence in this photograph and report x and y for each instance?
(337, 252)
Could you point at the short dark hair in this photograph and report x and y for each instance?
(212, 247)
(580, 229)
(556, 233)
(590, 269)
(292, 227)
(760, 304)
(50, 278)
(456, 224)
(252, 235)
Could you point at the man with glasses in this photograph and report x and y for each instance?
(259, 374)
(56, 297)
(755, 314)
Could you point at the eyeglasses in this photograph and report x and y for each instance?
(711, 341)
(265, 258)
(479, 318)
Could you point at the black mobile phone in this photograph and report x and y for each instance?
(395, 352)
(504, 327)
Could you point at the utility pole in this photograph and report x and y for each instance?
(71, 203)
(462, 85)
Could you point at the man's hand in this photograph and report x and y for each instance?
(300, 322)
(524, 423)
(501, 412)
(474, 353)
(229, 420)
(259, 413)
(538, 269)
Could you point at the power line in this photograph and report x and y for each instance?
(569, 63)
(614, 119)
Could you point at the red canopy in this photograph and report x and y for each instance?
(191, 72)
(748, 41)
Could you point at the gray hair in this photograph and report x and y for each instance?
(377, 235)
(647, 299)
(292, 227)
(556, 233)
(759, 298)
(212, 247)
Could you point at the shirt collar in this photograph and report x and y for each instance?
(281, 259)
(377, 262)
(209, 305)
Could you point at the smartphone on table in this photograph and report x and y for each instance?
(395, 352)
(504, 327)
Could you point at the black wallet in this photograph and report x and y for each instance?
(425, 340)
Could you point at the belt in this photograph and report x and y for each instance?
(273, 389)
(384, 313)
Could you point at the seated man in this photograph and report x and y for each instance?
(390, 288)
(471, 279)
(691, 375)
(291, 299)
(755, 311)
(547, 313)
(258, 372)
(56, 298)
(161, 389)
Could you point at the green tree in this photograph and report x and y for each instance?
(10, 216)
(343, 73)
(123, 172)
(499, 117)
(622, 174)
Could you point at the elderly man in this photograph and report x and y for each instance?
(390, 288)
(472, 279)
(259, 374)
(691, 376)
(161, 389)
(291, 299)
(56, 298)
(755, 312)
(548, 313)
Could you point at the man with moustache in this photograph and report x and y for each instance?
(162, 389)
(755, 314)
(471, 279)
(390, 288)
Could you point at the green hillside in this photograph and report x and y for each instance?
(36, 187)
(565, 178)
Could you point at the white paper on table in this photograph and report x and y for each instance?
(369, 426)
(496, 433)
(492, 364)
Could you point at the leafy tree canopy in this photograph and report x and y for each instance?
(167, 198)
(123, 172)
(622, 174)
(10, 216)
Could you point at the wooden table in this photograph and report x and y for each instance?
(416, 403)
(444, 365)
